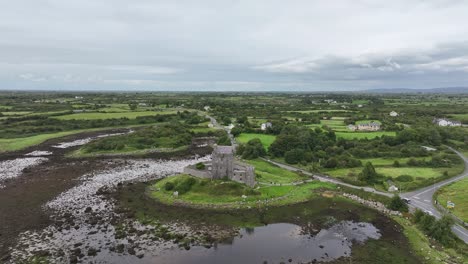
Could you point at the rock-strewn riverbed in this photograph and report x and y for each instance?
(83, 214)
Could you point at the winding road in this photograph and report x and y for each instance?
(422, 198)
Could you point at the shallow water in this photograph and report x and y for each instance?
(273, 243)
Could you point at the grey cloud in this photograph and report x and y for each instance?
(258, 45)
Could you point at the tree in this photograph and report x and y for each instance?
(133, 106)
(253, 149)
(368, 174)
(396, 164)
(226, 120)
(397, 204)
(237, 130)
(224, 140)
(293, 156)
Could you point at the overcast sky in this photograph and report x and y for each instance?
(222, 45)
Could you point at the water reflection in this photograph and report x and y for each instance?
(277, 242)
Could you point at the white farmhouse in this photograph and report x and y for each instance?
(393, 114)
(265, 126)
(446, 122)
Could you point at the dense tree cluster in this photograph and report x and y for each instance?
(252, 150)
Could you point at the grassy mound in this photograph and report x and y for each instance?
(193, 191)
(200, 191)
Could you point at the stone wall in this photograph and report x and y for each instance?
(197, 173)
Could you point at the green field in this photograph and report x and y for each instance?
(270, 173)
(363, 135)
(320, 111)
(460, 116)
(15, 113)
(422, 172)
(336, 124)
(367, 121)
(99, 115)
(13, 144)
(266, 140)
(457, 193)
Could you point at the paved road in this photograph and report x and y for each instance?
(422, 198)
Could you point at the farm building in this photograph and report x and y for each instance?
(371, 126)
(265, 126)
(445, 122)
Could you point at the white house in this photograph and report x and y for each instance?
(445, 122)
(393, 114)
(207, 108)
(266, 125)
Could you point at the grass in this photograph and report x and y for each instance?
(13, 144)
(389, 161)
(364, 135)
(422, 246)
(421, 172)
(460, 116)
(99, 115)
(15, 113)
(456, 193)
(227, 194)
(342, 131)
(321, 111)
(367, 121)
(268, 173)
(266, 140)
(203, 191)
(421, 176)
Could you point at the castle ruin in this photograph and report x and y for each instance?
(224, 165)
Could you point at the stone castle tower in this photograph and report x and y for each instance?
(222, 162)
(223, 165)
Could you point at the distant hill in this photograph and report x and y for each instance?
(441, 90)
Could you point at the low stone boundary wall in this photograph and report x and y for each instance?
(376, 205)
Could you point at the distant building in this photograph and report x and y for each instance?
(446, 122)
(393, 114)
(265, 126)
(207, 108)
(428, 148)
(224, 165)
(360, 105)
(372, 126)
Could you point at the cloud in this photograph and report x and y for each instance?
(218, 44)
